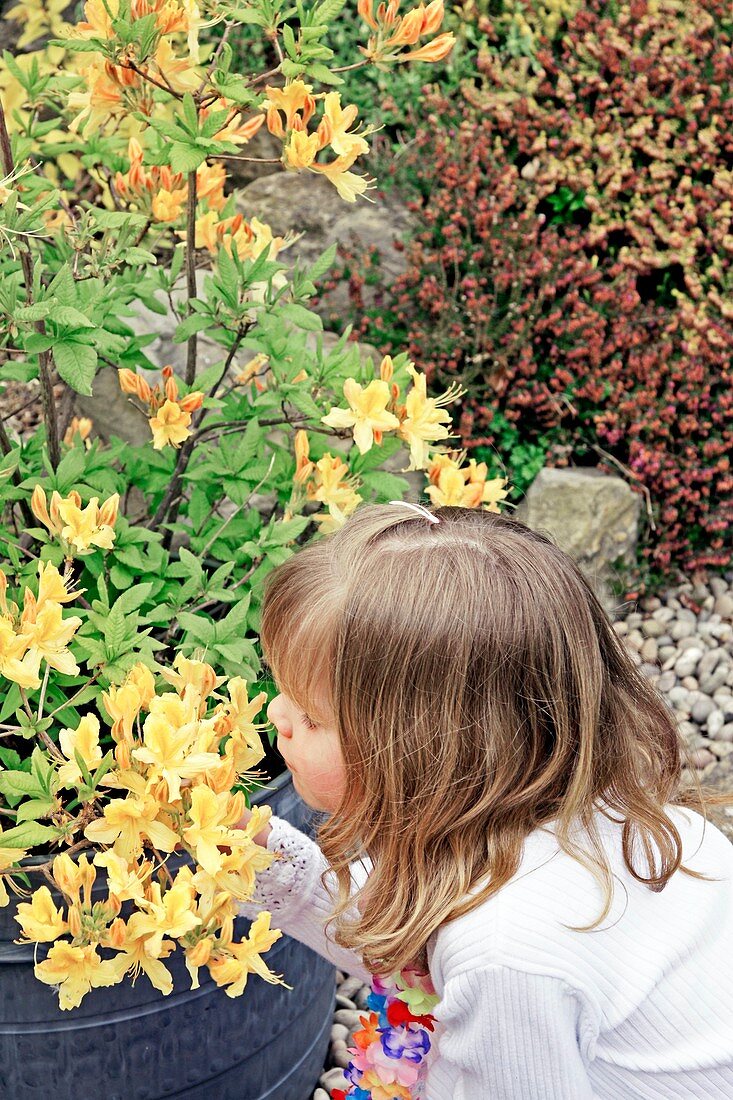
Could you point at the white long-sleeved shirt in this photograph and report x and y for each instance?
(639, 1009)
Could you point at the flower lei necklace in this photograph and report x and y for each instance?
(391, 1047)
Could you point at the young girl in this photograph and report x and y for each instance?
(505, 818)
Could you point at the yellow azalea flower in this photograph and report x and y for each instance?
(301, 150)
(236, 875)
(76, 970)
(135, 957)
(169, 735)
(210, 815)
(101, 101)
(52, 587)
(367, 413)
(190, 673)
(177, 70)
(40, 919)
(48, 638)
(142, 679)
(463, 486)
(126, 881)
(294, 99)
(167, 206)
(335, 124)
(243, 959)
(170, 425)
(98, 19)
(348, 184)
(84, 740)
(235, 719)
(424, 420)
(17, 662)
(123, 706)
(169, 914)
(71, 877)
(90, 527)
(126, 822)
(8, 857)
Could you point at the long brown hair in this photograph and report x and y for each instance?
(479, 691)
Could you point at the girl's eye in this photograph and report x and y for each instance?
(308, 723)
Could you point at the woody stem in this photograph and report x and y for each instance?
(191, 273)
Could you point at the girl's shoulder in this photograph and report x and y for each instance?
(533, 923)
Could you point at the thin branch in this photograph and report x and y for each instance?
(128, 64)
(44, 370)
(217, 534)
(44, 686)
(191, 273)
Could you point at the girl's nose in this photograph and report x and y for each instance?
(277, 714)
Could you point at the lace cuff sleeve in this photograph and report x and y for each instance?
(293, 877)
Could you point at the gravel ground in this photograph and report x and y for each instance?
(683, 642)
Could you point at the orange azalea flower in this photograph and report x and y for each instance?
(167, 206)
(81, 426)
(436, 50)
(301, 150)
(293, 100)
(303, 466)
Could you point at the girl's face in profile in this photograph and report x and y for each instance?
(312, 752)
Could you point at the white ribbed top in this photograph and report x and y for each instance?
(641, 1008)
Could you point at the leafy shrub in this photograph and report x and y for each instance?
(572, 264)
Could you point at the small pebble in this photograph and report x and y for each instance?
(345, 1002)
(347, 1016)
(333, 1079)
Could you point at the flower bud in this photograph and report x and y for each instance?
(386, 369)
(365, 9)
(192, 401)
(200, 954)
(108, 511)
(171, 389)
(74, 921)
(432, 17)
(39, 508)
(274, 122)
(116, 933)
(127, 379)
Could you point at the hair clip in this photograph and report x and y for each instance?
(421, 511)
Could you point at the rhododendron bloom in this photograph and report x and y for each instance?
(170, 425)
(192, 674)
(90, 527)
(135, 957)
(52, 587)
(167, 748)
(167, 206)
(167, 914)
(17, 662)
(232, 972)
(294, 99)
(436, 50)
(367, 413)
(76, 970)
(335, 127)
(126, 822)
(424, 420)
(301, 150)
(40, 919)
(125, 881)
(48, 636)
(84, 740)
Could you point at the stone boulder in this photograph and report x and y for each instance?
(593, 516)
(302, 202)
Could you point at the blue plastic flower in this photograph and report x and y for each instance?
(404, 1042)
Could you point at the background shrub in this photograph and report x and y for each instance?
(572, 261)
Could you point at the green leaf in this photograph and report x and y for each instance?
(302, 317)
(42, 769)
(185, 158)
(28, 835)
(35, 808)
(16, 785)
(190, 114)
(76, 363)
(322, 264)
(68, 315)
(195, 323)
(321, 72)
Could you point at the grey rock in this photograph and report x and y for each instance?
(699, 758)
(635, 639)
(649, 649)
(724, 606)
(593, 516)
(350, 987)
(701, 709)
(663, 615)
(666, 681)
(347, 1016)
(321, 1094)
(339, 1031)
(650, 671)
(718, 586)
(345, 1002)
(333, 1079)
(726, 733)
(652, 628)
(710, 660)
(715, 723)
(690, 682)
(682, 628)
(714, 680)
(687, 663)
(303, 202)
(667, 651)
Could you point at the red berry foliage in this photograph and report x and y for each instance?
(572, 260)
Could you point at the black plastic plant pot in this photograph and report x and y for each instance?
(131, 1043)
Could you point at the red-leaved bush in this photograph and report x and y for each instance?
(573, 257)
